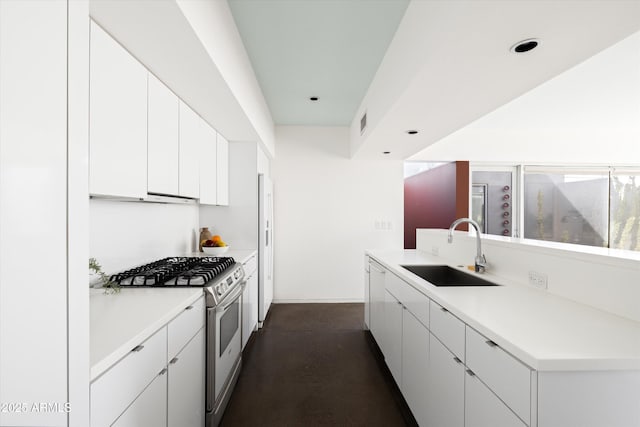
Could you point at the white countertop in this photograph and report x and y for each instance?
(547, 332)
(121, 321)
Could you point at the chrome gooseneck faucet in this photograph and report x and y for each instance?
(480, 261)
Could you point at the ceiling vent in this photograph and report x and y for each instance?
(363, 123)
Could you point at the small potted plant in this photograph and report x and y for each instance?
(109, 286)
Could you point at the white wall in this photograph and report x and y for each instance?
(589, 114)
(326, 206)
(603, 278)
(126, 234)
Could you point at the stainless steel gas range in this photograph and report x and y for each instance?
(222, 280)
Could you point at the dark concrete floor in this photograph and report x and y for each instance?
(314, 365)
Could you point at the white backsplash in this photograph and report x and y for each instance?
(586, 275)
(127, 234)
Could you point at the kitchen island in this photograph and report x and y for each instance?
(541, 359)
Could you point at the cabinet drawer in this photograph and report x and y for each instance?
(483, 408)
(118, 387)
(184, 327)
(416, 302)
(448, 328)
(505, 375)
(250, 266)
(147, 409)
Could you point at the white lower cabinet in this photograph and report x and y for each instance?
(392, 343)
(144, 389)
(483, 408)
(186, 385)
(415, 357)
(145, 411)
(445, 389)
(376, 298)
(249, 307)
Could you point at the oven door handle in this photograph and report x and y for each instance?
(233, 298)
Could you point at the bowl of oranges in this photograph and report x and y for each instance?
(214, 246)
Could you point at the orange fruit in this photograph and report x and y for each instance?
(216, 238)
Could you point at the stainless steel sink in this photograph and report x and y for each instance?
(443, 275)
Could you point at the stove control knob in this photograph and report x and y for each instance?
(219, 290)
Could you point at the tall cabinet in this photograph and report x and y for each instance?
(44, 350)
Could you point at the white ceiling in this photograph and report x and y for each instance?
(449, 63)
(325, 48)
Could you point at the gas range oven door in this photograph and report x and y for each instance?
(223, 353)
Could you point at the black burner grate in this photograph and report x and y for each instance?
(176, 271)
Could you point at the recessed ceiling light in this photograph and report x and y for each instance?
(412, 132)
(313, 98)
(386, 152)
(525, 45)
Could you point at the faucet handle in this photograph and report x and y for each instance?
(480, 264)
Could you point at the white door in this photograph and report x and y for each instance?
(265, 253)
(484, 409)
(118, 119)
(415, 362)
(150, 407)
(208, 165)
(445, 388)
(162, 146)
(376, 296)
(186, 384)
(222, 171)
(190, 144)
(392, 348)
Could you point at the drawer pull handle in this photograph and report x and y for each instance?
(444, 309)
(164, 371)
(457, 360)
(189, 307)
(138, 348)
(491, 343)
(470, 372)
(173, 361)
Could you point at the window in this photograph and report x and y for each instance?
(624, 220)
(566, 206)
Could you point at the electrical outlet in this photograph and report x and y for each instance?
(537, 279)
(435, 250)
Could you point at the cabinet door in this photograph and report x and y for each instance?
(163, 137)
(445, 387)
(186, 402)
(367, 297)
(415, 362)
(376, 298)
(484, 409)
(246, 316)
(392, 347)
(222, 171)
(253, 284)
(149, 408)
(189, 148)
(117, 120)
(208, 166)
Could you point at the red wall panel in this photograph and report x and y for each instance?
(435, 198)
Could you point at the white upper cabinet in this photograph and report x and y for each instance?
(117, 121)
(208, 166)
(163, 142)
(222, 166)
(189, 157)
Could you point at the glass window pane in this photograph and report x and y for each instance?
(568, 208)
(625, 211)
